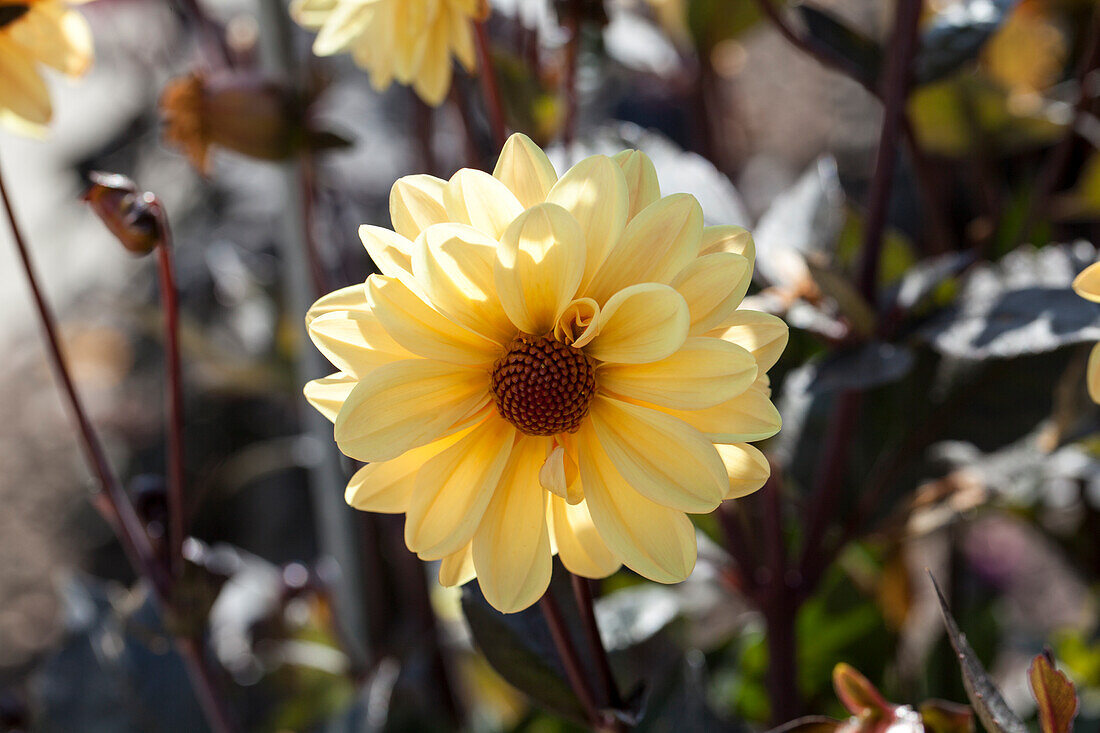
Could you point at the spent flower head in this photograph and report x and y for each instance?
(411, 41)
(549, 365)
(33, 33)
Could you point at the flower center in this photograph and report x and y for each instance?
(543, 386)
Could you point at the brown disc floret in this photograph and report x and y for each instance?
(543, 386)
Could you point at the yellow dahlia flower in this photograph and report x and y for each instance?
(407, 40)
(1087, 285)
(34, 32)
(549, 365)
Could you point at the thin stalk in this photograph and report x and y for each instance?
(116, 506)
(779, 603)
(896, 82)
(569, 82)
(489, 87)
(177, 503)
(570, 660)
(582, 591)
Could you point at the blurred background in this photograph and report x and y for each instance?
(944, 427)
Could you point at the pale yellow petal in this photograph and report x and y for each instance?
(641, 180)
(652, 540)
(312, 14)
(539, 266)
(461, 32)
(22, 90)
(432, 78)
(525, 170)
(353, 297)
(453, 264)
(328, 394)
(387, 486)
(422, 330)
(579, 323)
(406, 404)
(559, 475)
(713, 286)
(655, 246)
(728, 238)
(704, 372)
(1093, 374)
(454, 488)
(512, 543)
(474, 197)
(662, 458)
(416, 202)
(457, 568)
(639, 324)
(747, 468)
(750, 416)
(594, 191)
(580, 547)
(354, 341)
(1087, 283)
(761, 334)
(391, 253)
(342, 28)
(56, 36)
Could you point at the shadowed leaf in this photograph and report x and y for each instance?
(940, 716)
(1055, 694)
(857, 52)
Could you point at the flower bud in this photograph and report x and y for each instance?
(135, 217)
(242, 112)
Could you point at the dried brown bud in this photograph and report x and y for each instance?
(242, 112)
(135, 217)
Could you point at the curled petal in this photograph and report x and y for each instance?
(639, 324)
(579, 323)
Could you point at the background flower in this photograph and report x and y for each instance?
(1087, 285)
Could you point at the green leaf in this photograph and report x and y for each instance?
(1055, 694)
(940, 716)
(988, 703)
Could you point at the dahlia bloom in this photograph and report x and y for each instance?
(34, 32)
(549, 365)
(1087, 285)
(408, 40)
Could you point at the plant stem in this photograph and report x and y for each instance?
(493, 103)
(177, 504)
(896, 80)
(570, 660)
(115, 505)
(582, 591)
(569, 82)
(782, 676)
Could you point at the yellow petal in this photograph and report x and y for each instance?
(594, 191)
(1087, 283)
(454, 488)
(354, 341)
(750, 416)
(641, 180)
(416, 202)
(580, 547)
(746, 467)
(391, 252)
(422, 330)
(342, 28)
(728, 238)
(512, 543)
(652, 540)
(579, 323)
(539, 266)
(311, 14)
(662, 458)
(328, 394)
(559, 475)
(462, 39)
(525, 170)
(713, 286)
(387, 486)
(655, 246)
(432, 78)
(405, 404)
(1093, 374)
(353, 297)
(457, 568)
(453, 264)
(639, 324)
(22, 90)
(761, 334)
(56, 36)
(704, 372)
(476, 198)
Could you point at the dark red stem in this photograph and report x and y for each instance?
(177, 499)
(582, 591)
(570, 660)
(493, 103)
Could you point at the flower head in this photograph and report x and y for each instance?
(408, 40)
(34, 32)
(549, 365)
(1087, 285)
